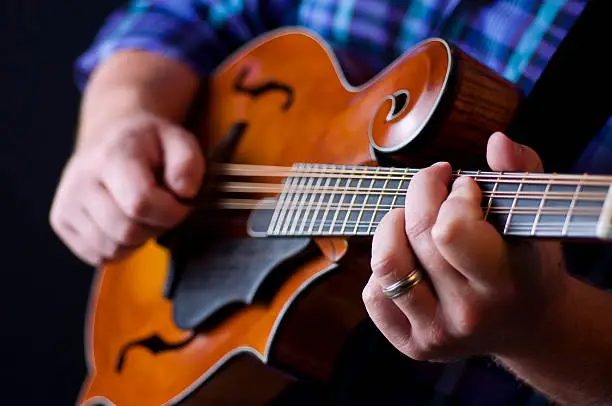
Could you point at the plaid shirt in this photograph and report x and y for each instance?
(514, 37)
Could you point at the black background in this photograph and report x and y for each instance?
(44, 288)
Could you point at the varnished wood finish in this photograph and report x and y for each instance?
(475, 100)
(304, 326)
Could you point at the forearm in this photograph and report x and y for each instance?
(133, 82)
(571, 359)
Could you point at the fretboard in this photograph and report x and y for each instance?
(329, 200)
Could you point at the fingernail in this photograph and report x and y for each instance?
(440, 164)
(459, 182)
(518, 148)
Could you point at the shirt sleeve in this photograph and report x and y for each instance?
(199, 33)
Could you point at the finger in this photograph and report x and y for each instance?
(115, 224)
(387, 317)
(131, 183)
(392, 259)
(469, 243)
(78, 245)
(183, 161)
(91, 233)
(426, 192)
(503, 154)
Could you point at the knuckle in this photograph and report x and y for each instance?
(416, 353)
(55, 219)
(417, 227)
(137, 205)
(466, 322)
(434, 344)
(127, 233)
(91, 258)
(124, 142)
(382, 265)
(368, 295)
(184, 169)
(110, 250)
(447, 229)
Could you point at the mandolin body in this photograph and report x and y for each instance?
(285, 99)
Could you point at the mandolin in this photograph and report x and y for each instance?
(262, 284)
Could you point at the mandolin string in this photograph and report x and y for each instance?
(288, 171)
(518, 226)
(257, 204)
(246, 187)
(243, 170)
(299, 192)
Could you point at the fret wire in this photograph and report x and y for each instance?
(337, 211)
(273, 226)
(295, 203)
(395, 196)
(477, 176)
(290, 218)
(348, 213)
(365, 201)
(318, 205)
(509, 217)
(594, 211)
(568, 216)
(310, 205)
(524, 226)
(491, 197)
(329, 203)
(539, 212)
(296, 220)
(289, 198)
(376, 208)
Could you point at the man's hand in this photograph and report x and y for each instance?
(122, 188)
(480, 294)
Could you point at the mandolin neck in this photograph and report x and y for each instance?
(331, 200)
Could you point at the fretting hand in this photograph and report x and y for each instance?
(480, 294)
(110, 199)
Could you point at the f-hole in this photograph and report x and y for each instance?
(258, 90)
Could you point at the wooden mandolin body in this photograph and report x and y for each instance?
(288, 97)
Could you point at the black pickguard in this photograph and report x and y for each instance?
(231, 273)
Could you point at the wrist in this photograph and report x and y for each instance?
(547, 333)
(131, 84)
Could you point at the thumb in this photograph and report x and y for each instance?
(183, 161)
(503, 154)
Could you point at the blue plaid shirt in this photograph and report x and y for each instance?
(514, 37)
